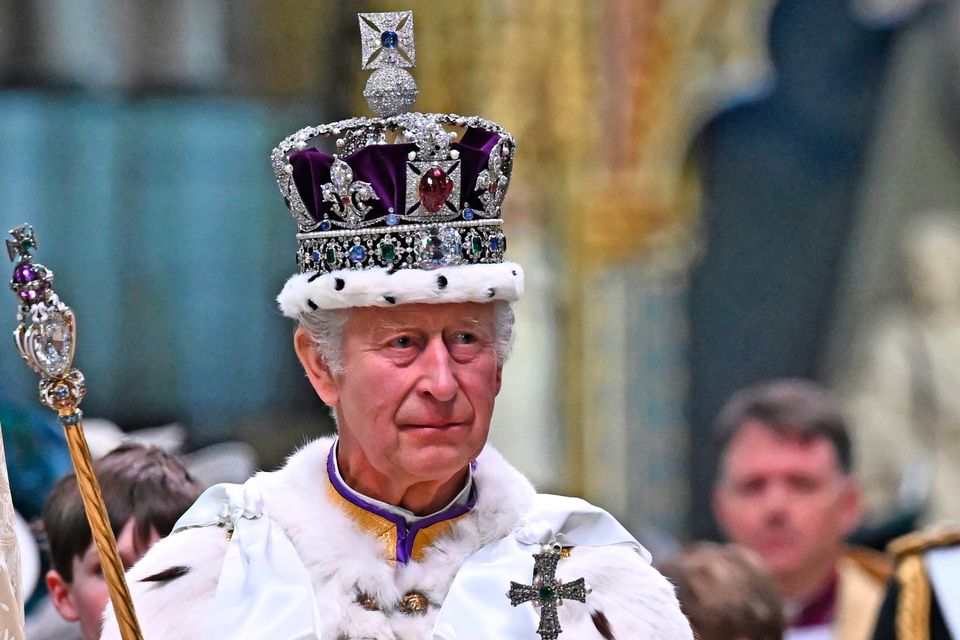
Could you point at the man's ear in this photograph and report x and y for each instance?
(852, 512)
(323, 381)
(61, 597)
(720, 508)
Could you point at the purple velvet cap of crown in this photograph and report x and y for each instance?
(384, 167)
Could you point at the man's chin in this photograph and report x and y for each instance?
(781, 562)
(437, 462)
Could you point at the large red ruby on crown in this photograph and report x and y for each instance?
(434, 189)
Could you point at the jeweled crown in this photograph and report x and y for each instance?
(404, 190)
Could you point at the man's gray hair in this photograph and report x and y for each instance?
(325, 328)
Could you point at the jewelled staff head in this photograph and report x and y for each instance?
(398, 209)
(46, 331)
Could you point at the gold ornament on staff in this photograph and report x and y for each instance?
(46, 337)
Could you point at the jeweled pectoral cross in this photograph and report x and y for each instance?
(547, 592)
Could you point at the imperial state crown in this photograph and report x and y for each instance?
(400, 208)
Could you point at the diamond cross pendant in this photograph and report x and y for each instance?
(547, 592)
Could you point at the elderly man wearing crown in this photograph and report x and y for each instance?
(406, 525)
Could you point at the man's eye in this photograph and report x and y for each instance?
(750, 487)
(463, 337)
(802, 484)
(402, 342)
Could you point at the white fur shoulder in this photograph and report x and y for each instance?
(630, 600)
(173, 585)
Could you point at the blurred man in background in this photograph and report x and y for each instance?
(785, 490)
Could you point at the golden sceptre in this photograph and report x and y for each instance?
(46, 337)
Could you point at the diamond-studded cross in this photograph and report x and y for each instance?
(547, 592)
(24, 241)
(387, 39)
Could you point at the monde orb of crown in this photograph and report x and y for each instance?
(390, 91)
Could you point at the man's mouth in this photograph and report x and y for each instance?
(439, 425)
(777, 540)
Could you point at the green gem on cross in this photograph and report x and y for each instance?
(547, 593)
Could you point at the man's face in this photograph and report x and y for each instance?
(85, 598)
(786, 499)
(416, 393)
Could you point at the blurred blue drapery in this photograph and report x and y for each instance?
(161, 220)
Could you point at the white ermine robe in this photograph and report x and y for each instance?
(290, 556)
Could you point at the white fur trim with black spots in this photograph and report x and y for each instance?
(381, 287)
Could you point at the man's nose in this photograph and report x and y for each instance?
(776, 498)
(437, 378)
